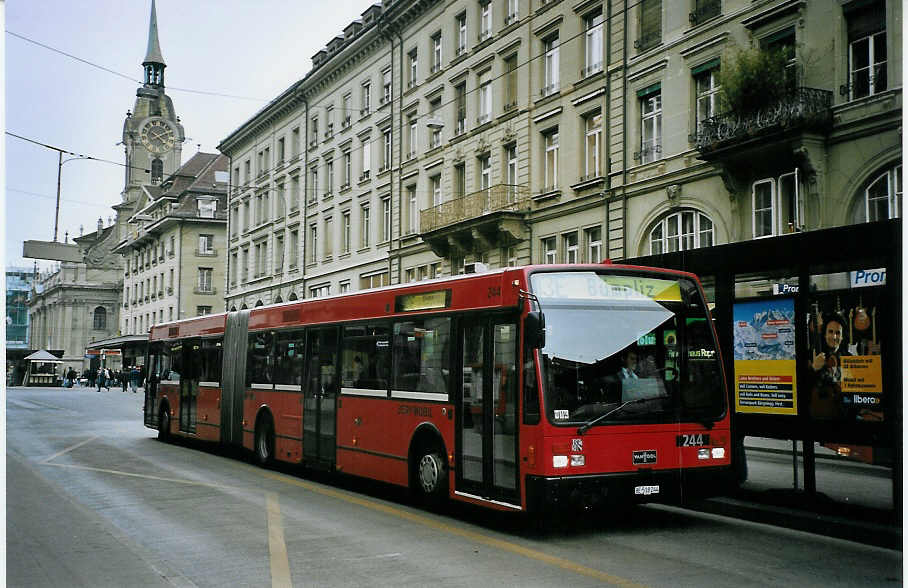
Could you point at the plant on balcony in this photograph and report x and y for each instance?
(754, 78)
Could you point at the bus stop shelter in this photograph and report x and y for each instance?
(771, 301)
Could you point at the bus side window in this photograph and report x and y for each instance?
(176, 362)
(289, 357)
(422, 355)
(210, 360)
(366, 356)
(258, 359)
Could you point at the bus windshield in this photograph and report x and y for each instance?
(641, 342)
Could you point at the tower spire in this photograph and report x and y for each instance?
(154, 63)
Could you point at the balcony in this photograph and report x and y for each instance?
(804, 110)
(476, 222)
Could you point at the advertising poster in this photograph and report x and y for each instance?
(764, 355)
(845, 357)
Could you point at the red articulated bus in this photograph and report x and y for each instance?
(516, 389)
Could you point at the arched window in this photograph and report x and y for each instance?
(292, 296)
(278, 300)
(680, 231)
(259, 303)
(157, 171)
(233, 308)
(881, 199)
(100, 319)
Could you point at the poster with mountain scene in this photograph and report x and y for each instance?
(764, 353)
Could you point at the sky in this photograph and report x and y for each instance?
(225, 60)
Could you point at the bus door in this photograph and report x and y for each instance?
(233, 377)
(189, 385)
(154, 363)
(320, 396)
(486, 424)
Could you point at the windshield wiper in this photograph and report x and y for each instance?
(586, 426)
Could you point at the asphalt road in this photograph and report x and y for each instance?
(93, 499)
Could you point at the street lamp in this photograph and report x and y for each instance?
(60, 162)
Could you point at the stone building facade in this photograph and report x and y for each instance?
(434, 134)
(174, 254)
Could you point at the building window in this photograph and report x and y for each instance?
(707, 88)
(313, 179)
(320, 291)
(550, 179)
(593, 239)
(551, 75)
(593, 145)
(205, 279)
(414, 68)
(485, 20)
(549, 250)
(436, 52)
(485, 98)
(435, 182)
(280, 151)
(345, 232)
(375, 280)
(206, 244)
(328, 245)
(313, 243)
(386, 86)
(593, 38)
(386, 219)
(434, 129)
(881, 199)
(367, 158)
(867, 49)
(461, 33)
(776, 205)
(510, 157)
(294, 248)
(412, 210)
(157, 171)
(413, 136)
(295, 193)
(347, 110)
(460, 180)
(366, 99)
(485, 172)
(348, 169)
(513, 12)
(261, 255)
(295, 142)
(245, 266)
(365, 226)
(570, 247)
(329, 178)
(510, 83)
(279, 202)
(99, 319)
(278, 254)
(460, 101)
(313, 126)
(201, 310)
(650, 127)
(650, 25)
(681, 231)
(764, 208)
(207, 208)
(410, 275)
(386, 149)
(344, 287)
(509, 256)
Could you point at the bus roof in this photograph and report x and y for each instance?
(497, 288)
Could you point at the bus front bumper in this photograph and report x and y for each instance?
(591, 491)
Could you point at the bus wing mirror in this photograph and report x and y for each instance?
(535, 330)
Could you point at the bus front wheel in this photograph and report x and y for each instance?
(432, 475)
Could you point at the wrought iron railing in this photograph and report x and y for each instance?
(501, 197)
(803, 107)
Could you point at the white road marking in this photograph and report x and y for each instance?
(68, 449)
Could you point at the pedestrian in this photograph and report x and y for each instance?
(124, 376)
(100, 378)
(107, 378)
(134, 375)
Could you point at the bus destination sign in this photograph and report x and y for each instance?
(592, 286)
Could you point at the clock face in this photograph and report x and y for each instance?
(157, 136)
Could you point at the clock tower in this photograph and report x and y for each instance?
(152, 134)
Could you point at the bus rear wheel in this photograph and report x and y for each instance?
(432, 475)
(264, 442)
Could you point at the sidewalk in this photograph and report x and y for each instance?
(853, 503)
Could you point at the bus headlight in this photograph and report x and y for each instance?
(703, 453)
(559, 461)
(578, 460)
(718, 453)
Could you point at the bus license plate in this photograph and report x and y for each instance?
(646, 490)
(696, 440)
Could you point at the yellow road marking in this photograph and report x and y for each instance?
(280, 565)
(534, 554)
